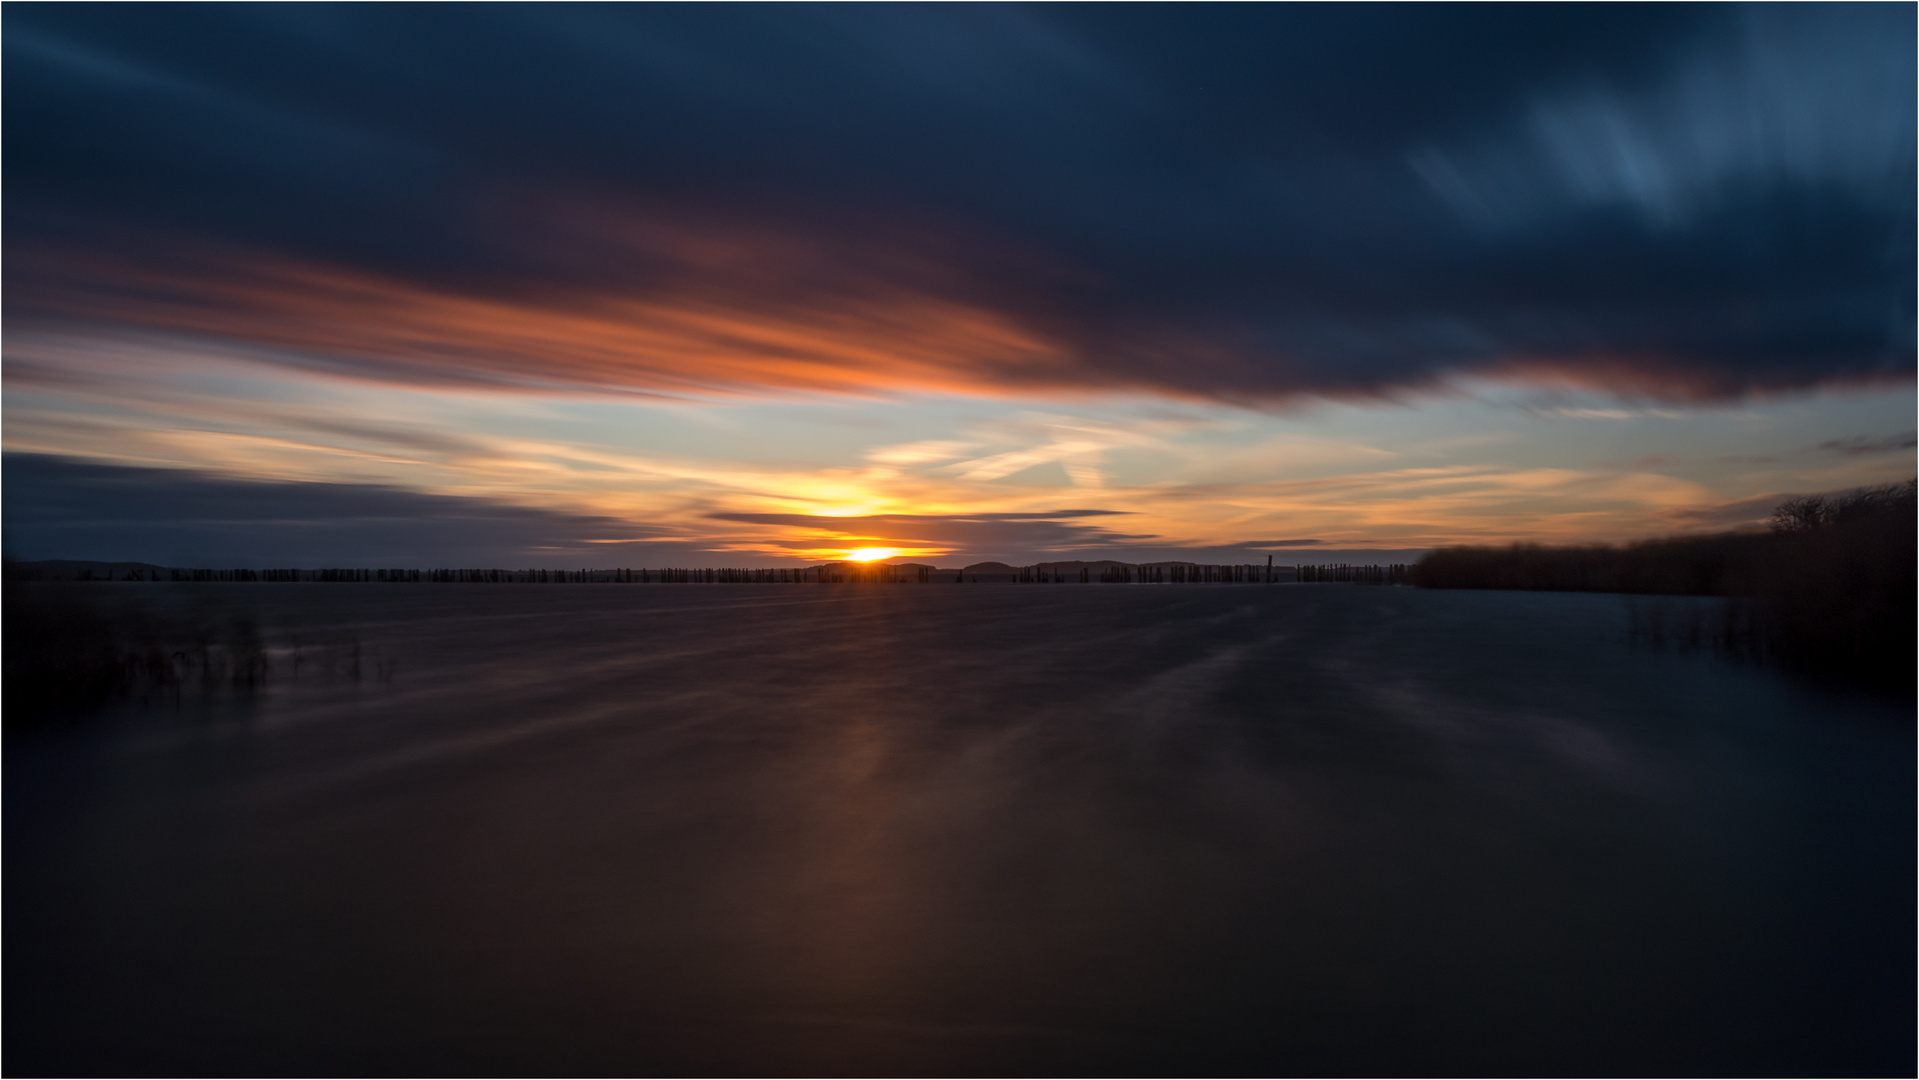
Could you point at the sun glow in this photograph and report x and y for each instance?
(869, 554)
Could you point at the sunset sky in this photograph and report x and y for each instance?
(606, 285)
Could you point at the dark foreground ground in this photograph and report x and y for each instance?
(896, 830)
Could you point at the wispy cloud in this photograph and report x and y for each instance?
(1862, 446)
(1001, 535)
(1612, 414)
(919, 453)
(1191, 479)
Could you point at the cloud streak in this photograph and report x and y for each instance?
(1865, 446)
(1003, 534)
(61, 508)
(1248, 205)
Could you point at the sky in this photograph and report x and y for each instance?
(745, 285)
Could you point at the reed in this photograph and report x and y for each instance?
(69, 648)
(1828, 589)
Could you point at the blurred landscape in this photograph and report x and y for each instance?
(1828, 591)
(1270, 820)
(960, 540)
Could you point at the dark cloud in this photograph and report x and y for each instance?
(1008, 535)
(58, 508)
(61, 508)
(1862, 446)
(1237, 201)
(1021, 539)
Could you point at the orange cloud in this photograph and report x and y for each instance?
(886, 338)
(631, 305)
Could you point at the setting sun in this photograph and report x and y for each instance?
(870, 554)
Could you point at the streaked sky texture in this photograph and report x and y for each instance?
(605, 285)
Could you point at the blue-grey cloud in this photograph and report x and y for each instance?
(1008, 535)
(1864, 445)
(1019, 539)
(1237, 201)
(60, 508)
